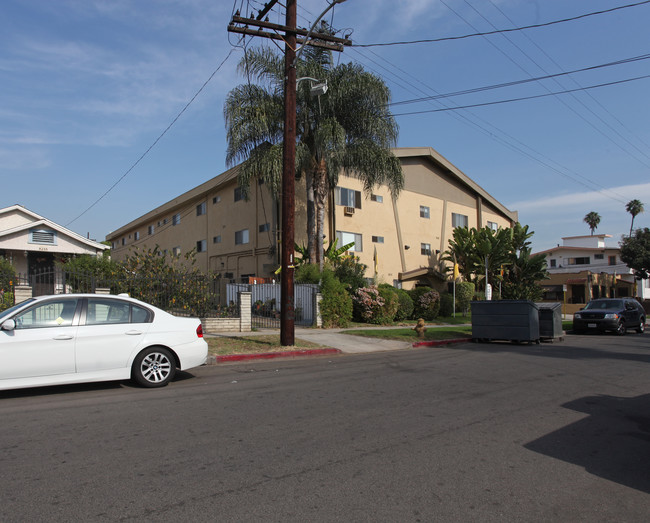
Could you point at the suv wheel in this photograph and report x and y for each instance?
(641, 328)
(621, 330)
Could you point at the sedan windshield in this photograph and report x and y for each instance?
(6, 313)
(604, 304)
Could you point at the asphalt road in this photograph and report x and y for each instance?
(498, 432)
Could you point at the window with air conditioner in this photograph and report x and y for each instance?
(347, 197)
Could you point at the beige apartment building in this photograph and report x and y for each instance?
(400, 240)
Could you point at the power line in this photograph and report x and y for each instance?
(156, 140)
(499, 31)
(519, 82)
(497, 102)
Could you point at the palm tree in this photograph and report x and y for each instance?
(634, 207)
(592, 219)
(349, 129)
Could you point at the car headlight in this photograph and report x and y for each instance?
(577, 315)
(611, 316)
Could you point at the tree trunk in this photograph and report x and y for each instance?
(321, 188)
(311, 218)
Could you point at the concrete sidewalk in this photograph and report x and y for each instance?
(336, 339)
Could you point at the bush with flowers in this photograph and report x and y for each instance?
(373, 305)
(427, 303)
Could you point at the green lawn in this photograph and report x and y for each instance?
(222, 345)
(408, 334)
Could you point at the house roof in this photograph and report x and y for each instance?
(434, 156)
(179, 201)
(231, 174)
(39, 220)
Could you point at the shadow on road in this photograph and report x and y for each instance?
(613, 442)
(568, 349)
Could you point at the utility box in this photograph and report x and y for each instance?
(513, 320)
(550, 320)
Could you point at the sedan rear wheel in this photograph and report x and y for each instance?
(154, 367)
(621, 330)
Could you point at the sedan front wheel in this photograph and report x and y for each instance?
(154, 367)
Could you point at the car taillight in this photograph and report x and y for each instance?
(199, 331)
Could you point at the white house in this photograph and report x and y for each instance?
(33, 243)
(584, 267)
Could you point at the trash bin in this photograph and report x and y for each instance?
(513, 320)
(550, 320)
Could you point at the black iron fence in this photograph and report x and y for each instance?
(189, 295)
(266, 302)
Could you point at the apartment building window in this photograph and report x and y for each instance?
(553, 263)
(239, 194)
(123, 241)
(176, 251)
(200, 209)
(216, 199)
(599, 256)
(493, 225)
(612, 260)
(113, 245)
(377, 239)
(201, 246)
(241, 237)
(136, 236)
(165, 221)
(578, 261)
(264, 227)
(216, 239)
(150, 230)
(347, 197)
(176, 219)
(459, 220)
(377, 198)
(350, 237)
(425, 249)
(425, 212)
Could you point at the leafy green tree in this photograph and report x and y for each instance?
(634, 207)
(592, 219)
(524, 272)
(348, 129)
(635, 252)
(461, 251)
(464, 294)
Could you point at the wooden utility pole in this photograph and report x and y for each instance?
(287, 314)
(242, 25)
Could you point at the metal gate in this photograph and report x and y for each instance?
(266, 303)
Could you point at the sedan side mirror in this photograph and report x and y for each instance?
(8, 325)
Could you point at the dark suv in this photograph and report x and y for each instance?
(610, 314)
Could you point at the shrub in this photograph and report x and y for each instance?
(7, 275)
(446, 304)
(307, 273)
(464, 295)
(405, 305)
(350, 272)
(336, 305)
(426, 303)
(387, 313)
(367, 304)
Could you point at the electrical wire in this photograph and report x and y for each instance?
(499, 31)
(155, 142)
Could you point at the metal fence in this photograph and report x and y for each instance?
(189, 295)
(266, 302)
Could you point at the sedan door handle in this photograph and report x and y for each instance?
(62, 337)
(133, 333)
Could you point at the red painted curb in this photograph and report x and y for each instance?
(271, 355)
(435, 343)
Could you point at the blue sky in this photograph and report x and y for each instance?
(87, 86)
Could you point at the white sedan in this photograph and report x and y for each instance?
(76, 338)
